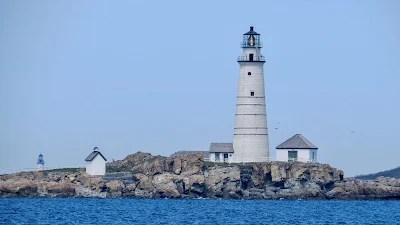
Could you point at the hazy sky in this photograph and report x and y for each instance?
(161, 76)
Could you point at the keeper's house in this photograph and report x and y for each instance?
(221, 152)
(296, 148)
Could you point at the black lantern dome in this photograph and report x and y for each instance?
(251, 39)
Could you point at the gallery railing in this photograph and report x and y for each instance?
(251, 59)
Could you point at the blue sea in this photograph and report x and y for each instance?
(195, 211)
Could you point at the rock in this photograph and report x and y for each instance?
(222, 180)
(144, 182)
(61, 189)
(140, 193)
(144, 175)
(177, 168)
(129, 190)
(278, 172)
(165, 185)
(82, 191)
(115, 188)
(72, 177)
(335, 192)
(196, 185)
(261, 174)
(388, 181)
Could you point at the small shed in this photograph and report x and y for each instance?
(221, 152)
(296, 148)
(96, 163)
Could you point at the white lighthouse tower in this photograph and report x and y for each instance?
(250, 141)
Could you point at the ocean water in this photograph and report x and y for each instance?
(195, 211)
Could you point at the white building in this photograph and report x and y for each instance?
(96, 163)
(250, 141)
(40, 163)
(221, 152)
(296, 148)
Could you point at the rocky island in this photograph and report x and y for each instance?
(144, 175)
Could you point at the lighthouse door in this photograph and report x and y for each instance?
(225, 157)
(251, 57)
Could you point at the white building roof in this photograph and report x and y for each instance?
(221, 147)
(298, 141)
(93, 155)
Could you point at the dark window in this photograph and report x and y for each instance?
(249, 73)
(292, 155)
(251, 57)
(252, 93)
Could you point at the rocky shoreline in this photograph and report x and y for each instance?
(142, 175)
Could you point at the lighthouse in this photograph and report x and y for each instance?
(250, 141)
(40, 163)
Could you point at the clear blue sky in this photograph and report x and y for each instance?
(161, 76)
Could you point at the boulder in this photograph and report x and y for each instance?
(177, 166)
(165, 185)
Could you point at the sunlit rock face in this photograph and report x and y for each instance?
(142, 175)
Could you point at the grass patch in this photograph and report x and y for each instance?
(64, 170)
(111, 169)
(154, 158)
(212, 164)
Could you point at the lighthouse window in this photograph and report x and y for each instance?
(252, 93)
(249, 73)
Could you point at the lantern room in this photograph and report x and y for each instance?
(251, 39)
(251, 46)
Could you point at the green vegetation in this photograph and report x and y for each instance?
(154, 158)
(132, 161)
(394, 173)
(212, 164)
(112, 169)
(65, 170)
(209, 164)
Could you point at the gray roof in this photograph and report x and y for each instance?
(221, 147)
(93, 155)
(183, 152)
(298, 141)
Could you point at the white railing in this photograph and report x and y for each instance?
(285, 159)
(272, 159)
